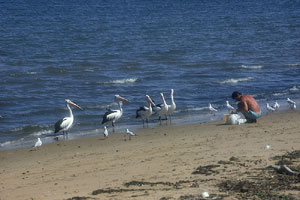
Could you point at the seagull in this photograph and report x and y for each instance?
(211, 108)
(111, 116)
(276, 105)
(270, 108)
(66, 123)
(291, 103)
(129, 133)
(38, 144)
(172, 107)
(230, 107)
(105, 132)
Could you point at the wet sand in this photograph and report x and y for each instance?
(166, 162)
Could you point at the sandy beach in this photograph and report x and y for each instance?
(166, 162)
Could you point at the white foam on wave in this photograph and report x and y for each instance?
(252, 67)
(294, 88)
(236, 80)
(43, 132)
(120, 81)
(293, 65)
(32, 73)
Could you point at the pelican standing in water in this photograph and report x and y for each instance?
(145, 112)
(161, 109)
(111, 116)
(172, 107)
(66, 123)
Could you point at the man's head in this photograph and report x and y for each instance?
(236, 95)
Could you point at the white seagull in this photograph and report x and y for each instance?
(230, 107)
(105, 132)
(38, 144)
(66, 123)
(276, 105)
(129, 133)
(111, 116)
(291, 103)
(212, 108)
(270, 108)
(145, 112)
(172, 107)
(161, 109)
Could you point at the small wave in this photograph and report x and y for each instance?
(294, 65)
(294, 88)
(43, 132)
(232, 80)
(280, 94)
(120, 81)
(31, 73)
(252, 67)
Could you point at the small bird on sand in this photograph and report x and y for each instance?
(276, 105)
(291, 103)
(129, 133)
(105, 132)
(230, 107)
(38, 144)
(270, 108)
(212, 108)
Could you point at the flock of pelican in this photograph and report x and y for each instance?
(111, 116)
(144, 112)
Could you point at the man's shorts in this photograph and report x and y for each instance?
(252, 115)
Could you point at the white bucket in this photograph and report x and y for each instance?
(233, 119)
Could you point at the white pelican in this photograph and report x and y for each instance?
(270, 108)
(291, 103)
(230, 107)
(212, 108)
(172, 107)
(161, 109)
(113, 115)
(145, 112)
(105, 132)
(38, 144)
(66, 123)
(129, 133)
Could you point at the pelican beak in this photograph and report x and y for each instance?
(172, 92)
(150, 100)
(119, 98)
(74, 104)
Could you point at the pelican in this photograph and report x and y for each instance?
(113, 115)
(66, 123)
(38, 144)
(172, 107)
(291, 103)
(105, 132)
(145, 112)
(161, 109)
(230, 107)
(270, 108)
(212, 108)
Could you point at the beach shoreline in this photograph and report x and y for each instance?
(164, 162)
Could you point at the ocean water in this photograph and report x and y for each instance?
(88, 51)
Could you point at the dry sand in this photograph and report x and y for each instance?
(166, 162)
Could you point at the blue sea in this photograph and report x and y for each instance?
(88, 51)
